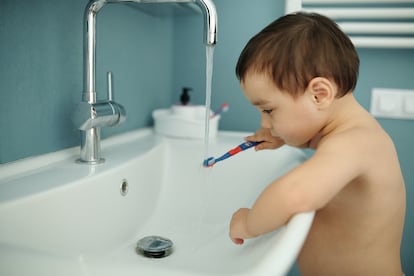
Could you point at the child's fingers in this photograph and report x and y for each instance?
(268, 140)
(265, 145)
(262, 134)
(257, 138)
(238, 241)
(253, 138)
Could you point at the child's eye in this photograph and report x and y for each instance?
(267, 111)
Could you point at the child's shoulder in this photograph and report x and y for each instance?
(362, 131)
(362, 138)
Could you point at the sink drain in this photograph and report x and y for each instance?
(154, 247)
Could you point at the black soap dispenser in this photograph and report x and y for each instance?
(185, 97)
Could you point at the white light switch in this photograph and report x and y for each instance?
(388, 103)
(409, 104)
(392, 103)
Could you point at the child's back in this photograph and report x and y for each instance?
(359, 231)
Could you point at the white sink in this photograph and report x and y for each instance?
(62, 218)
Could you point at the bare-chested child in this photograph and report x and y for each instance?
(300, 72)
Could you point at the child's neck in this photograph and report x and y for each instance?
(340, 117)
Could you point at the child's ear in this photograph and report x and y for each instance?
(322, 91)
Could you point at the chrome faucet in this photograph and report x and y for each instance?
(91, 114)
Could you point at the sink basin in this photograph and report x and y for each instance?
(58, 217)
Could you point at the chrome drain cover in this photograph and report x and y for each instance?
(154, 247)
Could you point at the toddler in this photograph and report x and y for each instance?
(300, 72)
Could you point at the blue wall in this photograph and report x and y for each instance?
(41, 70)
(41, 74)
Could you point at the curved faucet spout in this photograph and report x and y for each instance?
(108, 113)
(210, 21)
(210, 34)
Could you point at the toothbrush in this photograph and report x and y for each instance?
(223, 108)
(209, 162)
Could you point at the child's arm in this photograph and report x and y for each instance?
(308, 187)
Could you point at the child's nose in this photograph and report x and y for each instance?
(265, 121)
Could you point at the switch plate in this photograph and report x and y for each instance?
(392, 103)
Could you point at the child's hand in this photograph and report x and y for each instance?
(269, 141)
(238, 226)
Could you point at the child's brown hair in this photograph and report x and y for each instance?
(298, 47)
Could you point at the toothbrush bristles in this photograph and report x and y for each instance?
(209, 162)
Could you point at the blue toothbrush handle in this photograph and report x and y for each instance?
(248, 144)
(244, 146)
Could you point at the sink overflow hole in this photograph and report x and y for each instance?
(124, 187)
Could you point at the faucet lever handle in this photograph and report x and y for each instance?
(109, 78)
